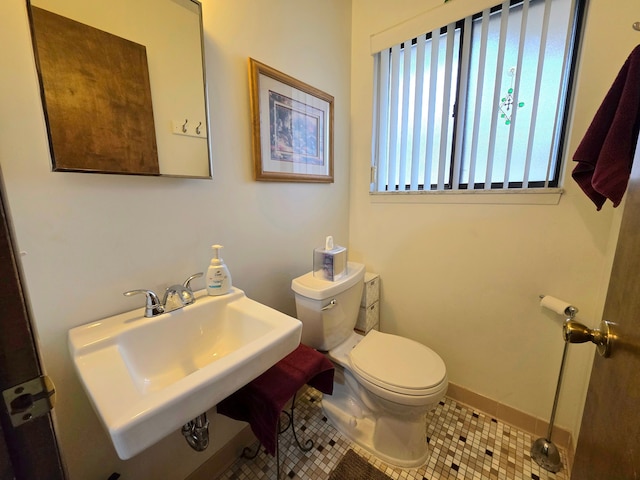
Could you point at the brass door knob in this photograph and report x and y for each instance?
(576, 332)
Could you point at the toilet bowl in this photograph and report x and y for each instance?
(384, 384)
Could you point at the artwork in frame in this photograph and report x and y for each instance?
(292, 128)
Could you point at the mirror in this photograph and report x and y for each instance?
(123, 85)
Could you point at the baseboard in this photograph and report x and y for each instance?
(521, 420)
(225, 457)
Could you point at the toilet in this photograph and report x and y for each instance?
(384, 384)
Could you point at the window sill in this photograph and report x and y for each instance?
(548, 196)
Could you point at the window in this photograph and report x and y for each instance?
(480, 104)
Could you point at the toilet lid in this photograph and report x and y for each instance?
(397, 363)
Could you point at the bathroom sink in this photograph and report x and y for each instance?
(146, 377)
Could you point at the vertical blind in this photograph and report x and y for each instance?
(477, 104)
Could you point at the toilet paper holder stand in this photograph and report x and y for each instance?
(543, 450)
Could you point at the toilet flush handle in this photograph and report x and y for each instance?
(329, 305)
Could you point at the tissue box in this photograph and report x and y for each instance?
(330, 264)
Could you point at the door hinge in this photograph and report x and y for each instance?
(31, 399)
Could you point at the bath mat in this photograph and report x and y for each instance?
(353, 467)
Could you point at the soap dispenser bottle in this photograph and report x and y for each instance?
(218, 276)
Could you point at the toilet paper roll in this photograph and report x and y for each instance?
(556, 305)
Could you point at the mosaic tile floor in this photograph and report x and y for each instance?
(464, 444)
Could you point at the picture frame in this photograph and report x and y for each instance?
(292, 127)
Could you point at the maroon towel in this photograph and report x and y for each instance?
(606, 152)
(261, 401)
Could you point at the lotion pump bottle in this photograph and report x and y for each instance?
(218, 276)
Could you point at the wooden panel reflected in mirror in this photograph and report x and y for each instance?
(137, 73)
(97, 97)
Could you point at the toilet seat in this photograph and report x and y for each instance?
(398, 367)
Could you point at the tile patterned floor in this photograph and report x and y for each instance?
(464, 444)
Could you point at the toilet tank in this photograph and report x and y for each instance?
(328, 310)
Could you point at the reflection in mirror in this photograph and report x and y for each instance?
(123, 85)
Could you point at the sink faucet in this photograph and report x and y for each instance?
(175, 297)
(178, 296)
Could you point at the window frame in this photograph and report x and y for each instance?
(560, 140)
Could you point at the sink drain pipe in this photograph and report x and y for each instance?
(196, 432)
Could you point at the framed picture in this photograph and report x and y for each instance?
(292, 128)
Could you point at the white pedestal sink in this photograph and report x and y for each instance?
(146, 377)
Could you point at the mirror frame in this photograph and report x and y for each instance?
(158, 125)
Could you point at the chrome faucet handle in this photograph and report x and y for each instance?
(192, 277)
(153, 306)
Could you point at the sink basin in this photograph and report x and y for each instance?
(146, 377)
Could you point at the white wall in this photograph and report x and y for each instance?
(465, 279)
(88, 238)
